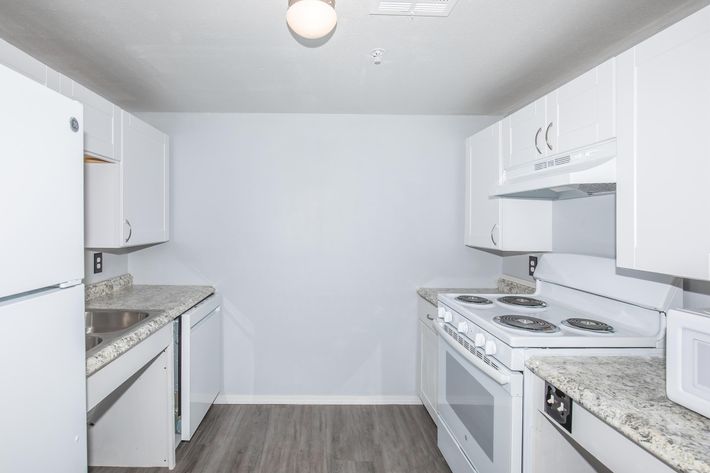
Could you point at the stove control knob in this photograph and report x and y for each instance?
(448, 317)
(441, 312)
(490, 347)
(462, 327)
(561, 409)
(551, 401)
(479, 340)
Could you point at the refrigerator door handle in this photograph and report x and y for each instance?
(72, 283)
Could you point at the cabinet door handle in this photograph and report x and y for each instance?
(537, 135)
(495, 243)
(429, 317)
(130, 231)
(547, 139)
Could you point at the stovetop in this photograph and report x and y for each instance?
(541, 321)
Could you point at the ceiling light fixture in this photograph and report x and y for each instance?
(311, 19)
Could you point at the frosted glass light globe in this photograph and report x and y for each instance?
(311, 19)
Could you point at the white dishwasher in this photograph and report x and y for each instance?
(200, 362)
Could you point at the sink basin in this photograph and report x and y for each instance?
(92, 341)
(106, 321)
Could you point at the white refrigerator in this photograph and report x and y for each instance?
(42, 355)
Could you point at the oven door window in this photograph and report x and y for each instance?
(484, 416)
(473, 404)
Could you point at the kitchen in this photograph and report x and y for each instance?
(246, 215)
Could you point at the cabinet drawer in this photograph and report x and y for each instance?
(427, 311)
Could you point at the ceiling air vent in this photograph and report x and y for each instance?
(412, 7)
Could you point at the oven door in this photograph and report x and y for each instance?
(480, 404)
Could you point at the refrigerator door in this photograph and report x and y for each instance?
(41, 186)
(43, 373)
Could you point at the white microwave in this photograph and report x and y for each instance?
(688, 359)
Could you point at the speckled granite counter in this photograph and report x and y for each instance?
(505, 286)
(120, 293)
(629, 394)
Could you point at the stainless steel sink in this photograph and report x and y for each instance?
(92, 341)
(107, 321)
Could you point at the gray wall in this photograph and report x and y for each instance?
(317, 229)
(114, 265)
(584, 226)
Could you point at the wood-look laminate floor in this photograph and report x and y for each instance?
(309, 439)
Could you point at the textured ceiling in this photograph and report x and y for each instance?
(488, 57)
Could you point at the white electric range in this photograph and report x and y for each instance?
(582, 305)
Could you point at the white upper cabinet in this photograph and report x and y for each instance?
(482, 212)
(126, 178)
(127, 202)
(101, 121)
(145, 181)
(578, 114)
(663, 162)
(582, 112)
(523, 133)
(497, 223)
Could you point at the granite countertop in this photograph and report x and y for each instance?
(120, 293)
(505, 286)
(629, 394)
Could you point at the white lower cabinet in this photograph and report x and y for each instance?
(131, 407)
(498, 223)
(127, 202)
(663, 148)
(427, 365)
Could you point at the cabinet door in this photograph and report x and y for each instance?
(523, 135)
(482, 173)
(428, 367)
(100, 117)
(145, 182)
(581, 112)
(664, 146)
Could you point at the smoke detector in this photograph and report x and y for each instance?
(377, 55)
(412, 7)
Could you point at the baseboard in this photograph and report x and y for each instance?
(318, 400)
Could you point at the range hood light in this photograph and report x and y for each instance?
(311, 19)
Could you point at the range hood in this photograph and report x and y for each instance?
(583, 172)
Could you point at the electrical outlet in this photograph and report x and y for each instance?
(532, 265)
(98, 262)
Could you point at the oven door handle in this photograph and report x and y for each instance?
(500, 378)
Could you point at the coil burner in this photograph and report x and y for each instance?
(473, 300)
(522, 301)
(589, 325)
(525, 322)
